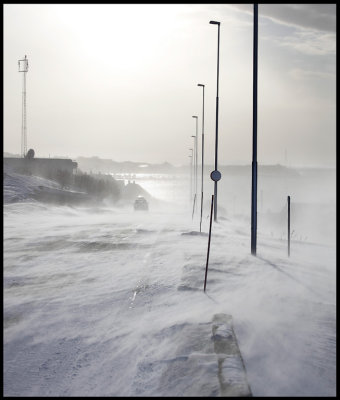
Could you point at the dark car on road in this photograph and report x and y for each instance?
(141, 203)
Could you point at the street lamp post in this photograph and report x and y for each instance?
(194, 179)
(191, 174)
(202, 158)
(216, 135)
(196, 157)
(288, 200)
(254, 161)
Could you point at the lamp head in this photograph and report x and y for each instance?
(200, 84)
(194, 116)
(214, 22)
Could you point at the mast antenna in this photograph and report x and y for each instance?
(23, 67)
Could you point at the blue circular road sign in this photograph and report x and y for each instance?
(215, 175)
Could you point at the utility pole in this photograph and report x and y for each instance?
(23, 67)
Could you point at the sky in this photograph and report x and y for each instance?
(119, 81)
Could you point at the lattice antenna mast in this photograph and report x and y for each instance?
(23, 67)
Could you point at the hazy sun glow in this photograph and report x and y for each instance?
(119, 36)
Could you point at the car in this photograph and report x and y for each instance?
(141, 204)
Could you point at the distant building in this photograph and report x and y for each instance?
(39, 166)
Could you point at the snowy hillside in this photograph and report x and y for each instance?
(23, 188)
(18, 187)
(105, 301)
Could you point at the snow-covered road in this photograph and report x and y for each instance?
(98, 300)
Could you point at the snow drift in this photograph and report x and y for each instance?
(104, 301)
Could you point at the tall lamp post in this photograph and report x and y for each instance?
(200, 84)
(191, 174)
(193, 184)
(254, 161)
(196, 157)
(215, 172)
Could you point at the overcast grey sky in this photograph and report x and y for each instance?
(119, 81)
